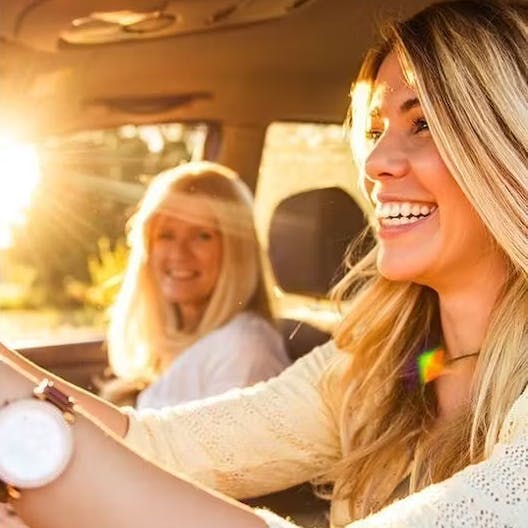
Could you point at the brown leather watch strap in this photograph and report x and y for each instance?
(47, 391)
(8, 492)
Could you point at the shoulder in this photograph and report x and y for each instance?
(515, 424)
(324, 359)
(249, 318)
(231, 331)
(246, 339)
(250, 326)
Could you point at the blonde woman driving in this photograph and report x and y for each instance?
(417, 412)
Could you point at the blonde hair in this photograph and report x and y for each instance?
(467, 61)
(143, 333)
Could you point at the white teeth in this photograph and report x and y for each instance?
(399, 210)
(399, 221)
(405, 209)
(180, 274)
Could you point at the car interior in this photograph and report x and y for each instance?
(258, 85)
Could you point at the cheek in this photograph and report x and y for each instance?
(155, 257)
(366, 186)
(463, 229)
(458, 217)
(211, 259)
(425, 159)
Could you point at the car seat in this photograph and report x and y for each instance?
(308, 235)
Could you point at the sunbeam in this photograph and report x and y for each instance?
(19, 175)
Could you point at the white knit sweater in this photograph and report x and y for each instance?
(253, 441)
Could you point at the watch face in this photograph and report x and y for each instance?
(35, 443)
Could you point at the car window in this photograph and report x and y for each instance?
(65, 202)
(299, 157)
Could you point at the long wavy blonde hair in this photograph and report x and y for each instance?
(467, 61)
(144, 331)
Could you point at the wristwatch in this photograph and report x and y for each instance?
(36, 440)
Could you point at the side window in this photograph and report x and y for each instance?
(308, 208)
(62, 221)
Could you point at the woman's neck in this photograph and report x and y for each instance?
(189, 316)
(465, 314)
(465, 317)
(466, 308)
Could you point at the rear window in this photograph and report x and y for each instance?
(64, 208)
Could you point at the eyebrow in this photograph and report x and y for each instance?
(407, 105)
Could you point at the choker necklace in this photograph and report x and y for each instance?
(432, 363)
(452, 360)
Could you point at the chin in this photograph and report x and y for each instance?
(396, 276)
(401, 270)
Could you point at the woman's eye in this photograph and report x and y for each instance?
(373, 135)
(419, 125)
(205, 235)
(164, 235)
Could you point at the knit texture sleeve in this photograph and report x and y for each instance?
(247, 442)
(492, 494)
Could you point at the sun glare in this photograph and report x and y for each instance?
(19, 175)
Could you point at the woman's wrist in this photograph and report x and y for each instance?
(12, 357)
(5, 353)
(14, 384)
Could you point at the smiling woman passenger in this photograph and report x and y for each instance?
(417, 412)
(192, 318)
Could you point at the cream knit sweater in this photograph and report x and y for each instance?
(253, 441)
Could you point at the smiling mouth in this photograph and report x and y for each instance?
(181, 274)
(391, 214)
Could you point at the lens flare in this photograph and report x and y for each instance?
(19, 175)
(431, 364)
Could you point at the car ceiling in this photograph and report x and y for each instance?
(289, 64)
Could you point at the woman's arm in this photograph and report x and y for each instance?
(108, 486)
(244, 444)
(248, 442)
(108, 414)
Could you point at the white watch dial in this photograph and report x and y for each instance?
(36, 443)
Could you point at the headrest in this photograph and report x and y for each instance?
(309, 233)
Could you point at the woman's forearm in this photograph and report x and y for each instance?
(109, 415)
(108, 486)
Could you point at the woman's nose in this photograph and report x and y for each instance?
(179, 248)
(387, 159)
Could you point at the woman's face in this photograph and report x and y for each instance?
(428, 231)
(186, 253)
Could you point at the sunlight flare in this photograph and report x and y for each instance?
(19, 176)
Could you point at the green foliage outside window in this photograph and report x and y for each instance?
(68, 255)
(105, 271)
